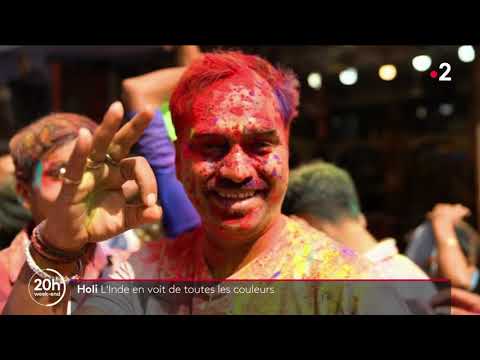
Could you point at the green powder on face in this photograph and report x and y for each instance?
(37, 177)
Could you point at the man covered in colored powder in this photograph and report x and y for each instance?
(233, 114)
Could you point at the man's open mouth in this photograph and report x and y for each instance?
(237, 201)
(236, 195)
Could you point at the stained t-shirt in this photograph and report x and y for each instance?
(299, 253)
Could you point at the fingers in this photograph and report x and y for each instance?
(142, 215)
(463, 211)
(450, 212)
(458, 212)
(451, 310)
(105, 132)
(138, 169)
(131, 192)
(458, 300)
(459, 311)
(129, 134)
(466, 300)
(75, 167)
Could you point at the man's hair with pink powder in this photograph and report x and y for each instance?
(216, 66)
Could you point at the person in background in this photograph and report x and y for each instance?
(31, 92)
(154, 88)
(451, 260)
(157, 142)
(7, 118)
(40, 152)
(13, 216)
(325, 196)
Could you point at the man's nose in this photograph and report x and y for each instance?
(237, 166)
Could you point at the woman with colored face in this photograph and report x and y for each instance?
(41, 153)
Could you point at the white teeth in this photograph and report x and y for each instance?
(243, 195)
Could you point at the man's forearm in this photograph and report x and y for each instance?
(452, 262)
(153, 88)
(187, 54)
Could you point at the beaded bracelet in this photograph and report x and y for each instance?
(41, 273)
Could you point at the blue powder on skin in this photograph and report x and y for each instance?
(37, 176)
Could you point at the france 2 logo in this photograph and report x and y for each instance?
(444, 75)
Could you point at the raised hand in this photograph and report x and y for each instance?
(104, 191)
(448, 213)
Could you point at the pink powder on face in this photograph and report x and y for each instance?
(47, 180)
(235, 112)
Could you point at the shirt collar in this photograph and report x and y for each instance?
(385, 249)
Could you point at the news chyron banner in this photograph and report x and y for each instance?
(260, 297)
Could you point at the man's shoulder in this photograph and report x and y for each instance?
(305, 236)
(390, 264)
(409, 269)
(326, 257)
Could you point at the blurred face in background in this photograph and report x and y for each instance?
(7, 167)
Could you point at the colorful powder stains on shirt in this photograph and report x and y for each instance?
(301, 252)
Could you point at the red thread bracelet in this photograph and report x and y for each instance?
(52, 253)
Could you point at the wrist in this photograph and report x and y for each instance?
(49, 237)
(442, 224)
(444, 232)
(447, 242)
(66, 269)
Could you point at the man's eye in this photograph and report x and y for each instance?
(261, 147)
(214, 149)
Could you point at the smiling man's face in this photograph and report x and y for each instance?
(233, 157)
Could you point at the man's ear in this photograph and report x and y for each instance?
(24, 194)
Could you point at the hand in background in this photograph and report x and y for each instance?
(456, 302)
